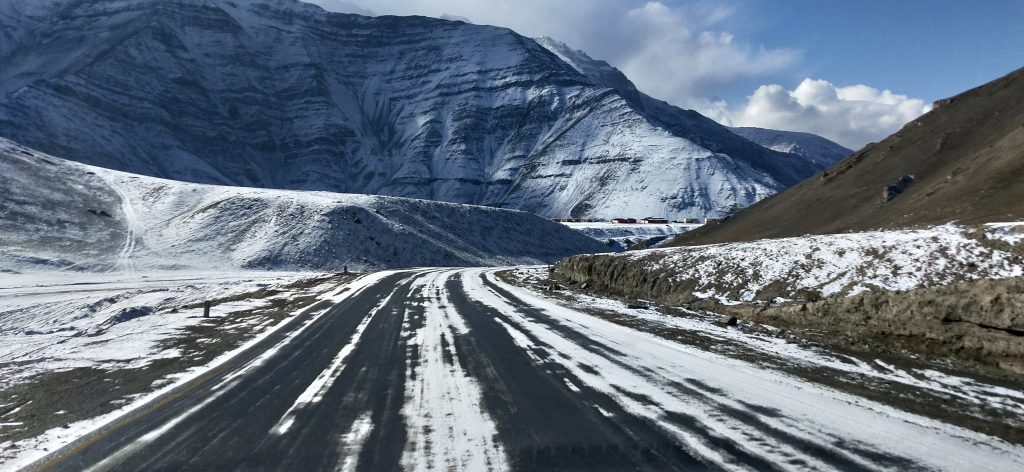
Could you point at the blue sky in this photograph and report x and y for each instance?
(852, 71)
(924, 48)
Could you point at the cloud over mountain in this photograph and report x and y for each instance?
(851, 116)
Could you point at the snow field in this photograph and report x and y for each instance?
(114, 322)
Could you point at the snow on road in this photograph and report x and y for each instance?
(315, 391)
(770, 415)
(352, 442)
(724, 411)
(701, 323)
(448, 426)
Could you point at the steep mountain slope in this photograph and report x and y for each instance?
(815, 148)
(61, 215)
(805, 153)
(963, 161)
(280, 94)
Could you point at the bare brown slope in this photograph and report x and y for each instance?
(966, 157)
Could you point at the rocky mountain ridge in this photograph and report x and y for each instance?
(281, 94)
(814, 148)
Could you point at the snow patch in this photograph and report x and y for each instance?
(833, 264)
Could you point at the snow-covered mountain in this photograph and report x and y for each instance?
(807, 153)
(814, 148)
(57, 215)
(281, 94)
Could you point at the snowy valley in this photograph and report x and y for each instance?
(257, 235)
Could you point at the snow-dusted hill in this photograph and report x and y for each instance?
(280, 94)
(811, 146)
(61, 215)
(828, 265)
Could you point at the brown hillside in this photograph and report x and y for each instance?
(963, 161)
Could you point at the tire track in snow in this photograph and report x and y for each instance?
(713, 426)
(370, 388)
(125, 257)
(352, 442)
(315, 391)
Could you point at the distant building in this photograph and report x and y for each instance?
(624, 220)
(691, 221)
(711, 220)
(655, 220)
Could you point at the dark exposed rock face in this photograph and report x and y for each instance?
(618, 276)
(899, 186)
(280, 94)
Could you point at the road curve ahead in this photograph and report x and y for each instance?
(452, 369)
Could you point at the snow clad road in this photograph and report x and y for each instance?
(453, 369)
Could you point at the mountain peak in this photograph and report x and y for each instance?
(815, 148)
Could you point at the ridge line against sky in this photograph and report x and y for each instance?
(853, 72)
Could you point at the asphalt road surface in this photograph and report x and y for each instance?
(452, 369)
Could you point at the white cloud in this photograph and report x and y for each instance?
(669, 54)
(851, 116)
